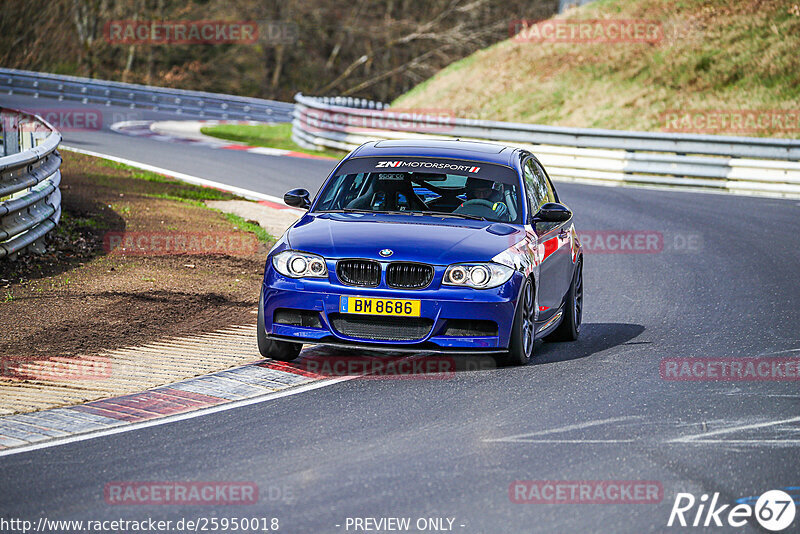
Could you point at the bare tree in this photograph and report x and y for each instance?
(86, 18)
(370, 48)
(138, 7)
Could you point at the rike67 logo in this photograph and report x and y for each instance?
(774, 510)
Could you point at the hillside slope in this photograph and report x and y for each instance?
(717, 55)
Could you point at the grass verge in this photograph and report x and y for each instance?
(272, 136)
(84, 296)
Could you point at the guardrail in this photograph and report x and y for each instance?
(30, 200)
(749, 165)
(88, 90)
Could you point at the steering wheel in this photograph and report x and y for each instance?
(486, 208)
(477, 202)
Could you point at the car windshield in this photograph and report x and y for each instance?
(439, 194)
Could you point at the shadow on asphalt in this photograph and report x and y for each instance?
(329, 362)
(594, 338)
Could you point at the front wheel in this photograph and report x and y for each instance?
(284, 351)
(520, 347)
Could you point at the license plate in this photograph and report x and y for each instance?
(370, 306)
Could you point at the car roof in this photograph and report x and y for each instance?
(440, 148)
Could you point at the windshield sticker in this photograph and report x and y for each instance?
(428, 165)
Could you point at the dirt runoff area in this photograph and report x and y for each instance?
(137, 257)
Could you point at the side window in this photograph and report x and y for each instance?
(539, 191)
(551, 192)
(548, 195)
(330, 192)
(342, 190)
(350, 190)
(532, 188)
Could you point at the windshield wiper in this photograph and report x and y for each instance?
(398, 212)
(458, 215)
(359, 210)
(347, 210)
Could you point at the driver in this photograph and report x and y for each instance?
(480, 189)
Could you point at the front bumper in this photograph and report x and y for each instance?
(446, 315)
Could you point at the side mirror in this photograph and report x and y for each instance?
(298, 198)
(552, 212)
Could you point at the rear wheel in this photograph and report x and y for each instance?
(520, 347)
(284, 351)
(570, 325)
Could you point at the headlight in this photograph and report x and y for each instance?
(300, 264)
(477, 275)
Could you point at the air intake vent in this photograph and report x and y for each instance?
(382, 328)
(364, 273)
(306, 318)
(401, 275)
(470, 328)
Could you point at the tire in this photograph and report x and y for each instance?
(284, 351)
(523, 333)
(570, 325)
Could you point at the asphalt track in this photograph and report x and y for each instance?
(596, 409)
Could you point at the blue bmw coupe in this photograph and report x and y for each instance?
(434, 246)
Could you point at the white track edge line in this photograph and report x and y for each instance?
(729, 430)
(246, 193)
(122, 427)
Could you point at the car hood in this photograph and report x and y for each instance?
(426, 239)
